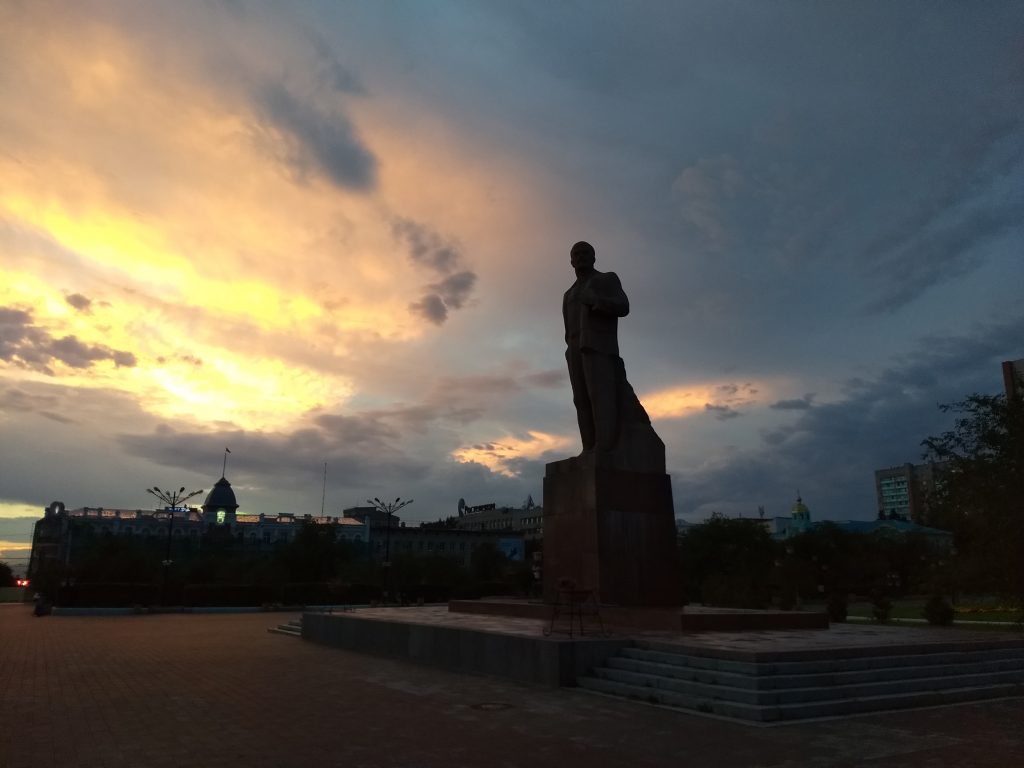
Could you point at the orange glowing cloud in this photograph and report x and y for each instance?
(498, 456)
(247, 286)
(683, 401)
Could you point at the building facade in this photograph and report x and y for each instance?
(902, 492)
(799, 521)
(527, 520)
(56, 534)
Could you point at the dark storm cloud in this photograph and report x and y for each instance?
(948, 250)
(772, 215)
(426, 247)
(27, 345)
(402, 445)
(79, 302)
(796, 404)
(430, 307)
(548, 379)
(859, 156)
(359, 451)
(454, 290)
(326, 142)
(46, 405)
(362, 430)
(831, 450)
(721, 412)
(429, 250)
(76, 354)
(329, 69)
(460, 400)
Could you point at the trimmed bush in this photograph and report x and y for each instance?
(233, 595)
(837, 607)
(881, 607)
(938, 611)
(112, 595)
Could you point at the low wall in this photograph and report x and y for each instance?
(551, 661)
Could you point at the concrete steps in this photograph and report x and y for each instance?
(293, 628)
(794, 689)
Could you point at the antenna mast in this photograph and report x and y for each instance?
(323, 498)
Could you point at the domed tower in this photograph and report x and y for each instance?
(220, 504)
(801, 516)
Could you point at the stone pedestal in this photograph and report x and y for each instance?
(612, 531)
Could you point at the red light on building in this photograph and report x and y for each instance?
(22, 582)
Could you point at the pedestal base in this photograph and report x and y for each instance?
(610, 531)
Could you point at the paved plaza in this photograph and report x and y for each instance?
(219, 690)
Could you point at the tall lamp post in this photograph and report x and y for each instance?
(171, 500)
(389, 508)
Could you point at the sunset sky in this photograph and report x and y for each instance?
(339, 232)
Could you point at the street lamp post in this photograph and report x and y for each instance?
(388, 508)
(171, 500)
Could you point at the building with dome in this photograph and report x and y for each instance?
(799, 521)
(220, 505)
(62, 533)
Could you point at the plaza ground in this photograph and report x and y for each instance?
(197, 690)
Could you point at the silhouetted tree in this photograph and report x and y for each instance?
(980, 495)
(6, 575)
(728, 562)
(487, 563)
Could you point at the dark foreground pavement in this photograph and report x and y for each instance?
(218, 690)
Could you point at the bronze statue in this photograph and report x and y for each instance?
(613, 424)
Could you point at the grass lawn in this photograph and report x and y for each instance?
(913, 608)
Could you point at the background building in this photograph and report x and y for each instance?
(527, 520)
(1013, 376)
(902, 492)
(61, 532)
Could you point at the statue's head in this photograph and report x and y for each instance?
(582, 257)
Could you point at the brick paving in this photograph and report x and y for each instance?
(218, 690)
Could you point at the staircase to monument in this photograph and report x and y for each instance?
(775, 691)
(293, 628)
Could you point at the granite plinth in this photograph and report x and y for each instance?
(514, 649)
(611, 531)
(617, 616)
(688, 619)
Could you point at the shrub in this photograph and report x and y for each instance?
(881, 607)
(787, 598)
(837, 607)
(938, 611)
